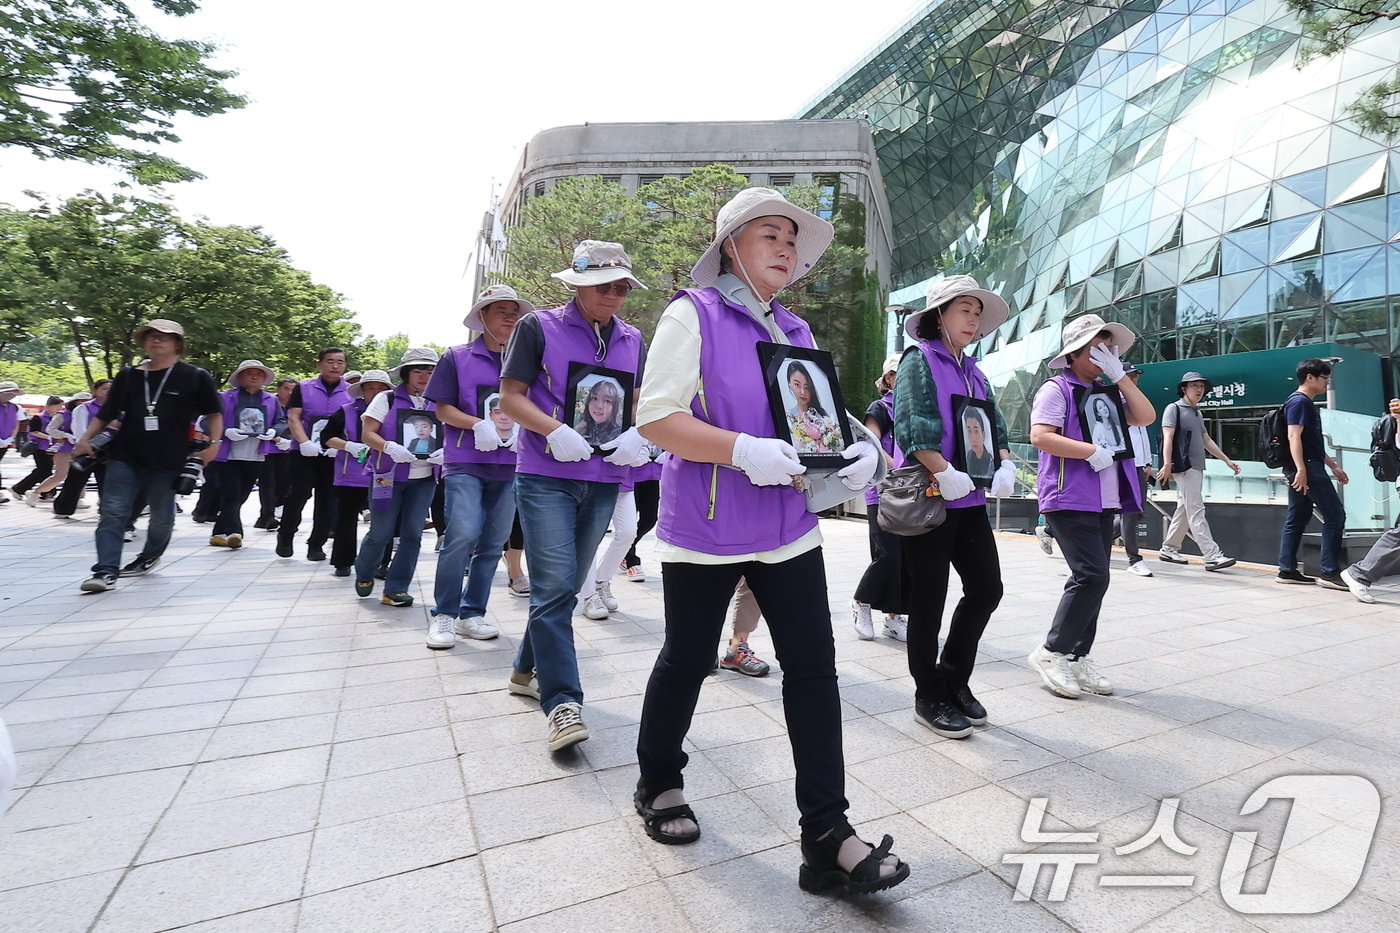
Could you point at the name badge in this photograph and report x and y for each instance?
(152, 423)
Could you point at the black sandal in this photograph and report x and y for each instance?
(653, 819)
(820, 871)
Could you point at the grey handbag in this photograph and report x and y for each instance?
(909, 502)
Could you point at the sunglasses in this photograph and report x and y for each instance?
(617, 288)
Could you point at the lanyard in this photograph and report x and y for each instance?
(146, 388)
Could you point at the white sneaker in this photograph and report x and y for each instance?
(860, 619)
(1054, 668)
(566, 726)
(1047, 543)
(897, 627)
(128, 536)
(81, 505)
(1090, 678)
(1171, 555)
(31, 499)
(476, 627)
(1361, 591)
(3, 498)
(635, 574)
(440, 633)
(524, 685)
(594, 607)
(604, 591)
(1139, 567)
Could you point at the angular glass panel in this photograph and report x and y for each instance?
(1358, 273)
(1246, 249)
(1196, 342)
(1255, 212)
(1241, 336)
(1198, 303)
(1308, 185)
(1369, 183)
(1355, 225)
(1244, 295)
(1308, 242)
(1159, 311)
(1295, 328)
(1295, 288)
(1364, 324)
(1283, 232)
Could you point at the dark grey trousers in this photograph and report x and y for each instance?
(1086, 541)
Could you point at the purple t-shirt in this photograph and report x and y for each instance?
(1049, 408)
(443, 388)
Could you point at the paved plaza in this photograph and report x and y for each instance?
(236, 743)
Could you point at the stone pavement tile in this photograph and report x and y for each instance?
(16, 688)
(519, 765)
(932, 860)
(79, 686)
(359, 675)
(983, 823)
(496, 702)
(181, 694)
(95, 798)
(145, 753)
(607, 748)
(1144, 767)
(751, 764)
(379, 793)
(979, 903)
(279, 918)
(646, 907)
(159, 721)
(1271, 733)
(220, 824)
(301, 682)
(779, 802)
(876, 697)
(62, 733)
(39, 856)
(1209, 750)
(24, 655)
(518, 889)
(340, 644)
(398, 691)
(59, 906)
(1199, 913)
(282, 706)
(1219, 803)
(385, 720)
(722, 727)
(1020, 703)
(116, 646)
(209, 657)
(387, 752)
(996, 753)
(162, 895)
(255, 774)
(353, 853)
(1080, 797)
(20, 712)
(449, 898)
(294, 664)
(1338, 756)
(121, 662)
(703, 780)
(1183, 707)
(276, 735)
(732, 826)
(914, 777)
(518, 813)
(31, 766)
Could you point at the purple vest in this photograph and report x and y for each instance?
(872, 494)
(348, 470)
(9, 419)
(569, 338)
(229, 397)
(952, 378)
(317, 404)
(39, 442)
(63, 421)
(1072, 484)
(378, 462)
(711, 508)
(646, 473)
(475, 366)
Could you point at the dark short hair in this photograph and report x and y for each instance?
(284, 380)
(53, 400)
(327, 351)
(1312, 367)
(927, 328)
(100, 383)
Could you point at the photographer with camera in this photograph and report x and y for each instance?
(79, 468)
(152, 452)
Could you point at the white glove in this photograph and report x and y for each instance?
(233, 434)
(1101, 459)
(283, 443)
(398, 452)
(663, 457)
(858, 474)
(1106, 358)
(355, 448)
(766, 461)
(435, 458)
(954, 484)
(484, 436)
(329, 452)
(268, 436)
(567, 445)
(310, 449)
(628, 449)
(1003, 480)
(7, 441)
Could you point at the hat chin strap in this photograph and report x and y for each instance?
(744, 275)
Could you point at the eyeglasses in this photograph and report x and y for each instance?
(617, 288)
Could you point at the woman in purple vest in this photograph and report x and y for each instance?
(254, 417)
(9, 422)
(729, 510)
(63, 435)
(564, 489)
(43, 460)
(351, 483)
(935, 384)
(884, 585)
(1081, 487)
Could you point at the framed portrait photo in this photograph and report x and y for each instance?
(598, 402)
(1105, 424)
(805, 400)
(976, 439)
(252, 420)
(488, 408)
(419, 431)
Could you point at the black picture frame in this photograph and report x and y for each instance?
(409, 431)
(1104, 420)
(251, 420)
(975, 416)
(819, 431)
(587, 380)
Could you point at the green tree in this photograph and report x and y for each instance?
(87, 80)
(1329, 26)
(41, 379)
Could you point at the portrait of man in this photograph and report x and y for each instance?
(419, 431)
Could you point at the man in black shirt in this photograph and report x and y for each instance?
(155, 405)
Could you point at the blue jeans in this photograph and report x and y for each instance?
(479, 514)
(563, 521)
(124, 483)
(1322, 495)
(406, 512)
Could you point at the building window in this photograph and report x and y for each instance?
(539, 189)
(648, 179)
(780, 181)
(613, 179)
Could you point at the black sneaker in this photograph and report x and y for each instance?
(1333, 581)
(942, 718)
(1220, 564)
(284, 546)
(140, 567)
(967, 704)
(342, 571)
(315, 553)
(98, 583)
(1296, 576)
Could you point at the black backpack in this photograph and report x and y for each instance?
(1385, 459)
(1273, 439)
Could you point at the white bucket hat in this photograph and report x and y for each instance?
(158, 324)
(414, 356)
(357, 389)
(82, 397)
(9, 388)
(493, 294)
(891, 365)
(252, 364)
(1081, 330)
(350, 378)
(813, 233)
(597, 262)
(995, 310)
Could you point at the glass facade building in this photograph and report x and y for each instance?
(1164, 164)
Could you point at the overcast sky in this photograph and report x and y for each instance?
(375, 132)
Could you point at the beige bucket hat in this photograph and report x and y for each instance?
(493, 294)
(268, 374)
(357, 389)
(597, 262)
(1080, 331)
(813, 233)
(995, 310)
(413, 356)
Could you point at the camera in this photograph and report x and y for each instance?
(193, 469)
(99, 442)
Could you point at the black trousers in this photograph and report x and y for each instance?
(43, 469)
(310, 476)
(66, 502)
(235, 479)
(350, 502)
(206, 504)
(274, 485)
(792, 597)
(884, 585)
(517, 536)
(648, 498)
(964, 542)
(1086, 541)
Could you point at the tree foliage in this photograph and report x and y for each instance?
(1329, 26)
(667, 224)
(87, 80)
